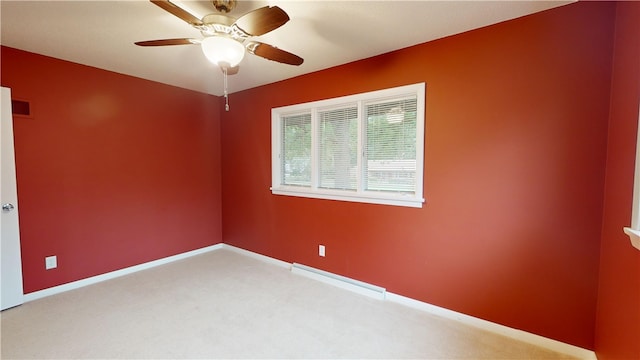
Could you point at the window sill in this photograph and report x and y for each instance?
(398, 200)
(634, 235)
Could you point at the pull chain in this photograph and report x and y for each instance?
(226, 94)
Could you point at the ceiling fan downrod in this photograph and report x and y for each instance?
(224, 6)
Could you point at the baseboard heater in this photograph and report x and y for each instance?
(339, 281)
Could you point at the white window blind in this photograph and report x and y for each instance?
(390, 153)
(338, 148)
(366, 147)
(296, 146)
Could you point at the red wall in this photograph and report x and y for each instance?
(516, 135)
(618, 316)
(115, 171)
(112, 170)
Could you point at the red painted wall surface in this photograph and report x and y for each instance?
(112, 170)
(516, 132)
(618, 315)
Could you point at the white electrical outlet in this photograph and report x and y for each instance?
(51, 262)
(321, 250)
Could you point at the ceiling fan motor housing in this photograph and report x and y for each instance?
(218, 24)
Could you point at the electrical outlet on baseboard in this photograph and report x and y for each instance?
(321, 250)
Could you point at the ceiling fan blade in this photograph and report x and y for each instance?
(262, 20)
(177, 11)
(273, 53)
(166, 42)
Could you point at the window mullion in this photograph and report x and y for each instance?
(361, 153)
(315, 131)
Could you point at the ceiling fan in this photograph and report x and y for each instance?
(226, 39)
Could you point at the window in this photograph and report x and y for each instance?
(366, 148)
(634, 230)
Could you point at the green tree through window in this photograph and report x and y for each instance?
(296, 138)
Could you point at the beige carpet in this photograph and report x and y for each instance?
(226, 305)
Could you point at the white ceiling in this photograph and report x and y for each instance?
(324, 33)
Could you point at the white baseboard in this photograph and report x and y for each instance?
(342, 282)
(257, 256)
(495, 328)
(114, 274)
(345, 283)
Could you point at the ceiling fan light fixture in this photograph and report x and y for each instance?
(220, 49)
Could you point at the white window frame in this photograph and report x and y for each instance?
(360, 195)
(634, 230)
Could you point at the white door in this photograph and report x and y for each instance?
(11, 293)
